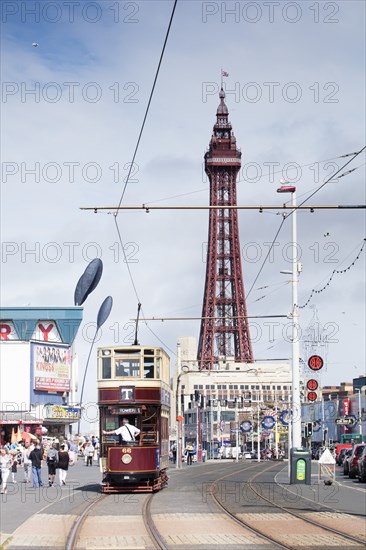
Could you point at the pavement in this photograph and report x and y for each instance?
(184, 513)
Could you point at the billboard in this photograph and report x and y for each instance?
(51, 367)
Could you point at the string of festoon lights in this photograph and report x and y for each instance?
(334, 272)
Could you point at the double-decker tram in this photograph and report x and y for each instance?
(133, 386)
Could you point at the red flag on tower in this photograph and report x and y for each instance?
(224, 73)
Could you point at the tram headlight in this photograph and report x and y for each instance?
(106, 352)
(126, 459)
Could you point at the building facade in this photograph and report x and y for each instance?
(38, 370)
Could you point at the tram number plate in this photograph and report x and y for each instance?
(126, 477)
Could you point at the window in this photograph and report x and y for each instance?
(195, 387)
(212, 386)
(252, 387)
(273, 387)
(257, 387)
(235, 387)
(127, 367)
(242, 386)
(246, 387)
(224, 386)
(207, 387)
(219, 386)
(231, 387)
(278, 387)
(148, 367)
(106, 367)
(285, 387)
(183, 386)
(200, 387)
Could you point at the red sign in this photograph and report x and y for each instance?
(315, 362)
(346, 408)
(312, 384)
(312, 396)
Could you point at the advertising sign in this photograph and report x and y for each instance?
(61, 412)
(51, 367)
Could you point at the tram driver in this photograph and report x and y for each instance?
(127, 432)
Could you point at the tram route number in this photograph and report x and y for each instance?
(126, 450)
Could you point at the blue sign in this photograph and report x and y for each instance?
(246, 426)
(317, 426)
(268, 422)
(284, 418)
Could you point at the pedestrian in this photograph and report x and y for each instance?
(189, 453)
(27, 464)
(14, 466)
(89, 453)
(5, 466)
(52, 460)
(36, 457)
(63, 464)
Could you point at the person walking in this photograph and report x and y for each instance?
(89, 453)
(27, 463)
(52, 460)
(5, 466)
(189, 452)
(63, 464)
(14, 466)
(36, 457)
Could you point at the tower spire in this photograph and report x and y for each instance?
(224, 326)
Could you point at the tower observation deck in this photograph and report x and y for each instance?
(224, 325)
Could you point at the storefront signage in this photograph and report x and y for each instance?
(126, 410)
(44, 331)
(62, 412)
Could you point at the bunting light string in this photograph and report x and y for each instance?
(334, 272)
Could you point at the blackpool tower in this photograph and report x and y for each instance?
(224, 325)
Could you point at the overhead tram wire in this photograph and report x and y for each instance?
(130, 170)
(355, 155)
(261, 177)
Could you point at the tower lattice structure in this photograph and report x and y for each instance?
(224, 325)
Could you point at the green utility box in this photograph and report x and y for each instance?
(300, 466)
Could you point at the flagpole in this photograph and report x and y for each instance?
(222, 82)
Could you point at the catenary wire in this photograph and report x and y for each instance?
(129, 174)
(355, 155)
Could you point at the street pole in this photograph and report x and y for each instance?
(258, 438)
(236, 430)
(178, 461)
(276, 427)
(323, 420)
(296, 402)
(359, 411)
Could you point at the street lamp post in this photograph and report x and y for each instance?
(296, 402)
(178, 411)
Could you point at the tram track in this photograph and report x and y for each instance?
(278, 543)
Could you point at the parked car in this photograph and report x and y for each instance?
(354, 458)
(345, 463)
(247, 455)
(362, 466)
(340, 452)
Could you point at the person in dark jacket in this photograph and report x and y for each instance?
(36, 457)
(63, 464)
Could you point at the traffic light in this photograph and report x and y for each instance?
(310, 429)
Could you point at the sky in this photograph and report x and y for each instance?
(72, 108)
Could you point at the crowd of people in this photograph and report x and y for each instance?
(59, 455)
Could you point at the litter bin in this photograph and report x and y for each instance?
(300, 466)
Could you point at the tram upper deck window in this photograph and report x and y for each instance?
(148, 367)
(106, 367)
(127, 367)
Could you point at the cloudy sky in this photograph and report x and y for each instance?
(72, 109)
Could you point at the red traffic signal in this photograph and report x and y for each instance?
(312, 384)
(312, 395)
(315, 362)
